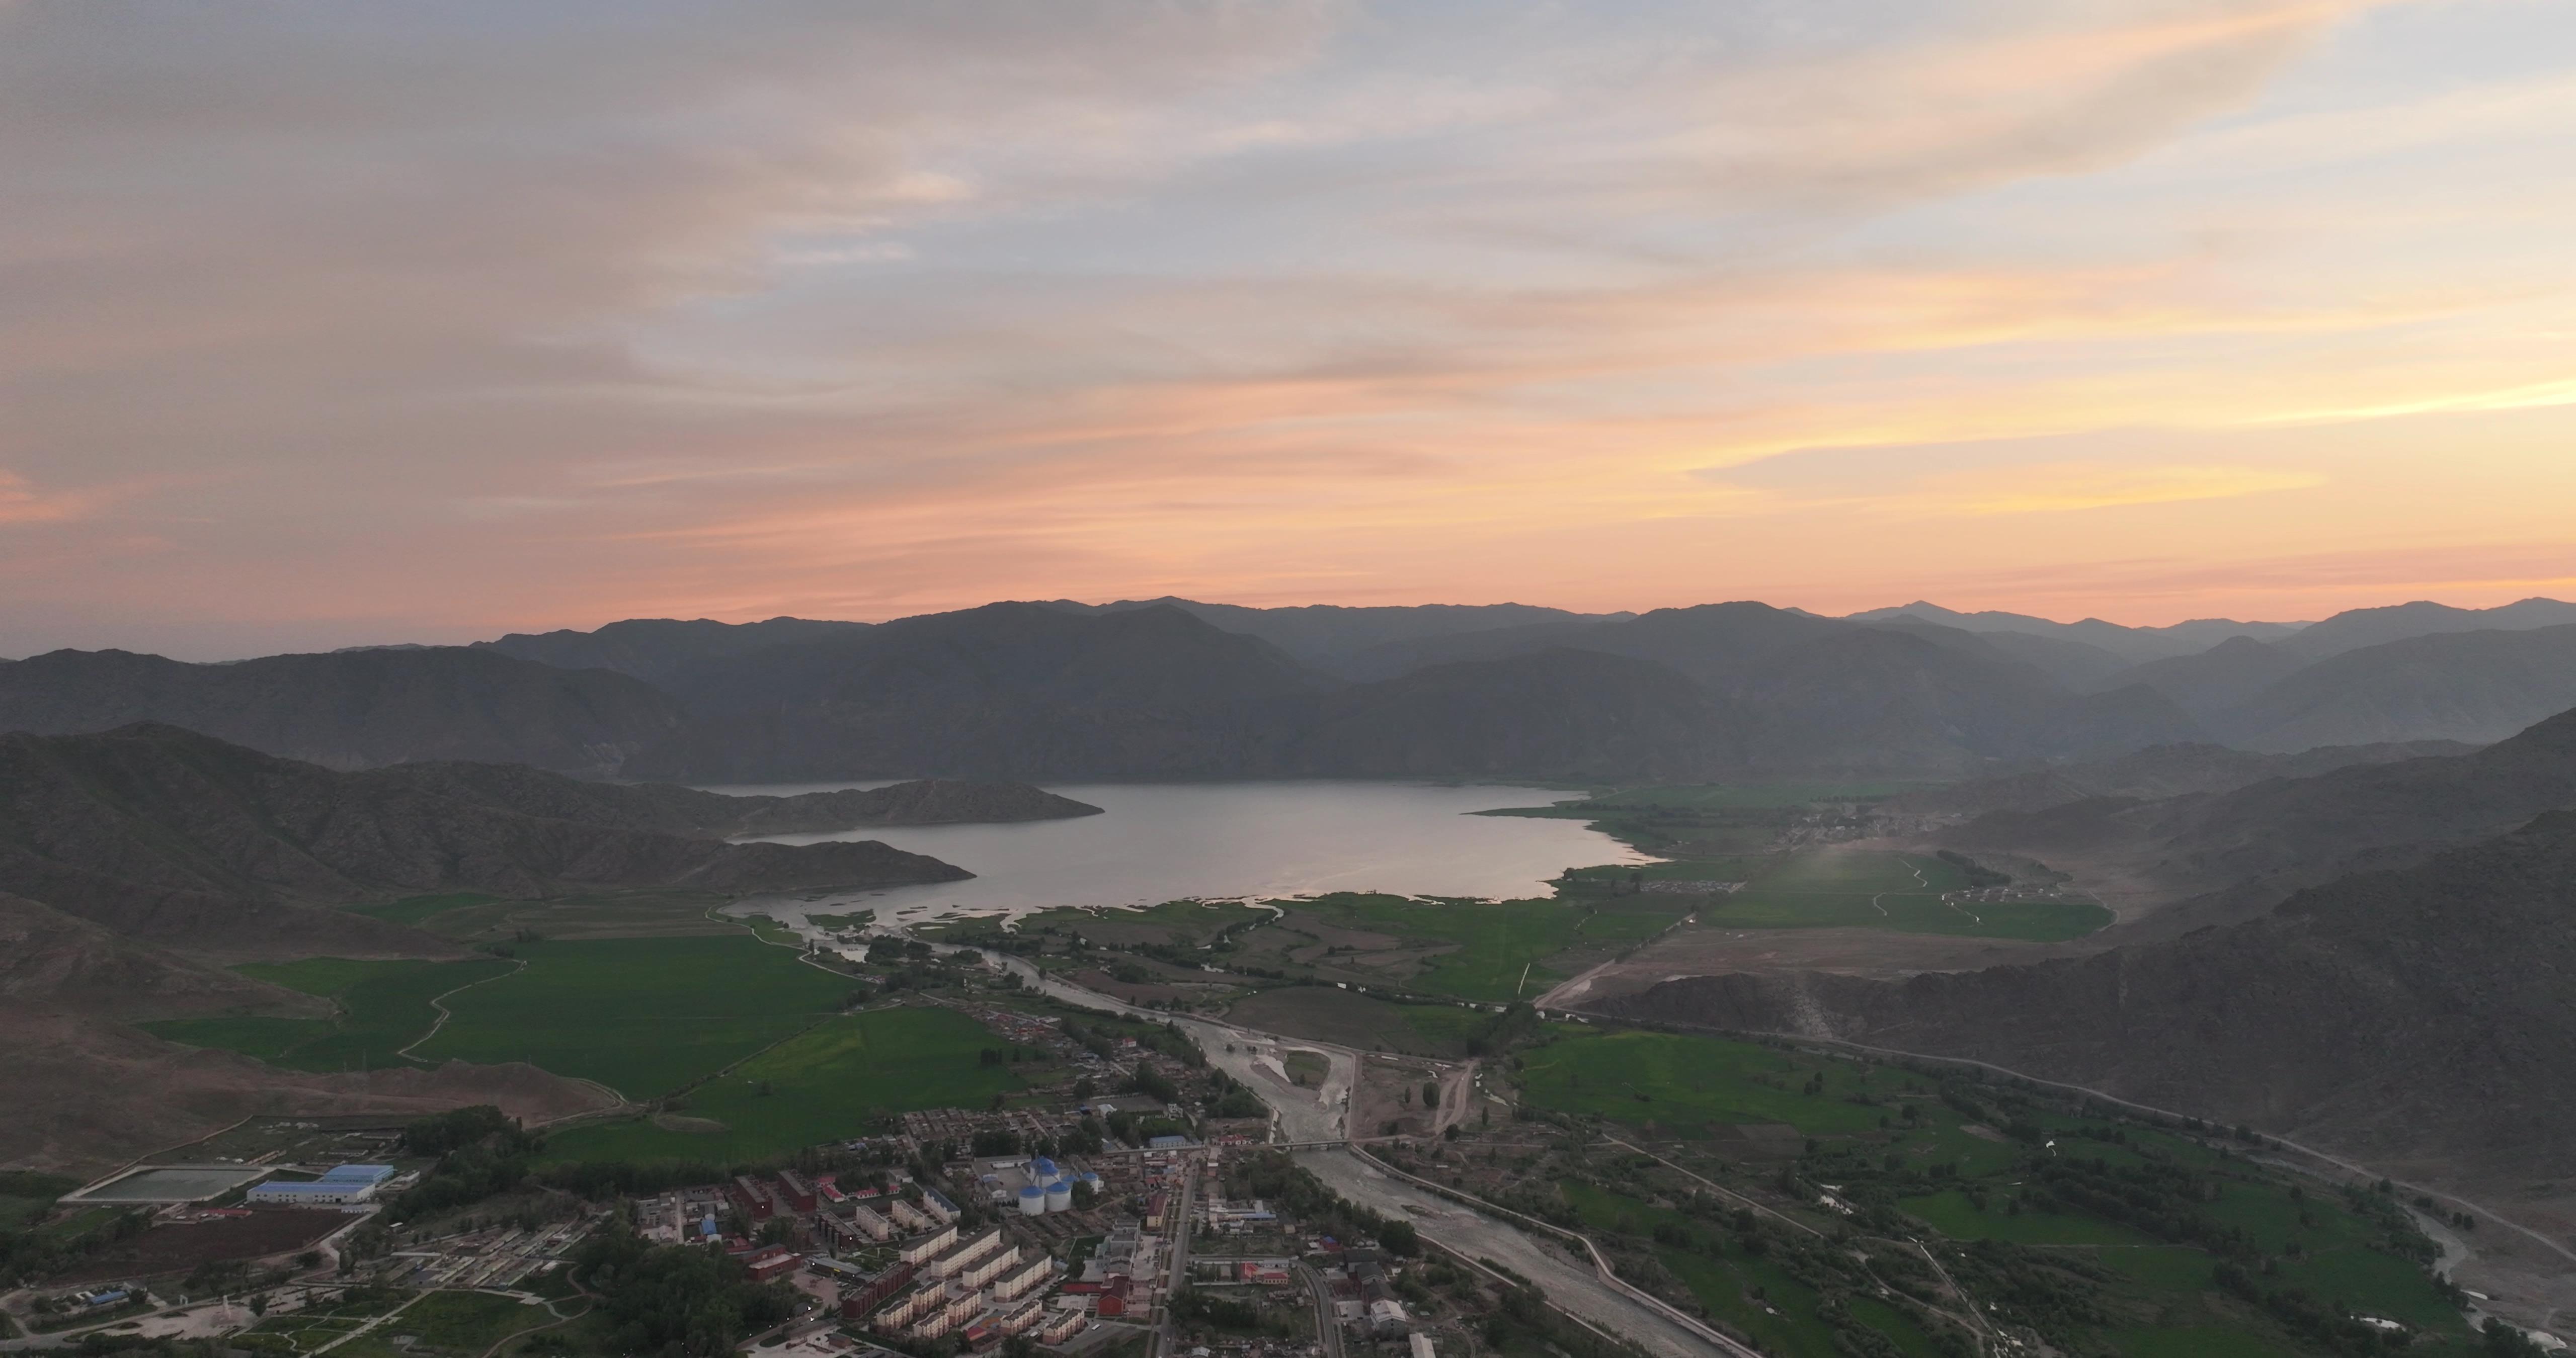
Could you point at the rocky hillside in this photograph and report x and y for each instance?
(2428, 1011)
(169, 836)
(2470, 686)
(352, 709)
(2293, 832)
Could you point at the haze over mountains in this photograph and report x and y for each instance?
(1175, 688)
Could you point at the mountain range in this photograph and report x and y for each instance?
(177, 839)
(1172, 688)
(136, 863)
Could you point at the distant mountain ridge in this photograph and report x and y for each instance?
(353, 709)
(662, 651)
(2132, 644)
(1176, 688)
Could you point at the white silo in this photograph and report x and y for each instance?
(1059, 1195)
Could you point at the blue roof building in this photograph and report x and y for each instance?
(338, 1187)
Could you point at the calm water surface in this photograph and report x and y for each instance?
(1163, 842)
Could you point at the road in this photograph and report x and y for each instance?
(1320, 1115)
(1328, 1324)
(1176, 1228)
(1567, 1283)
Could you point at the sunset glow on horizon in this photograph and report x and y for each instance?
(328, 325)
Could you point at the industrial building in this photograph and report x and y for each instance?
(340, 1186)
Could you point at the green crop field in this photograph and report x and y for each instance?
(1953, 1215)
(384, 1006)
(1500, 944)
(1671, 1081)
(2156, 1267)
(26, 1196)
(643, 1016)
(418, 911)
(1753, 1295)
(826, 1084)
(1184, 922)
(1871, 889)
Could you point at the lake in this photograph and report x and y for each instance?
(1160, 842)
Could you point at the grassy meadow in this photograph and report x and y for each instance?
(643, 1016)
(830, 1082)
(1501, 946)
(383, 1007)
(2061, 1189)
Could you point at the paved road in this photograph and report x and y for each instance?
(1567, 1283)
(1328, 1324)
(1320, 1115)
(1176, 1228)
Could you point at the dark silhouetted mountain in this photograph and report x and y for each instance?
(2468, 686)
(1331, 637)
(1565, 714)
(1035, 691)
(2133, 645)
(177, 838)
(352, 709)
(1007, 690)
(2421, 1012)
(2237, 674)
(1914, 698)
(2154, 773)
(2223, 677)
(662, 651)
(2354, 629)
(1388, 659)
(677, 810)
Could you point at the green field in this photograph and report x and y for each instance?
(1953, 1215)
(449, 1323)
(1871, 889)
(418, 911)
(26, 1196)
(1500, 944)
(643, 1016)
(1782, 1317)
(1966, 1183)
(1182, 922)
(384, 1006)
(1323, 1013)
(1672, 1081)
(826, 1084)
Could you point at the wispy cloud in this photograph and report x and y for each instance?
(902, 306)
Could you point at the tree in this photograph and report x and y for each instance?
(1431, 1093)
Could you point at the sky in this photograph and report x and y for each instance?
(331, 323)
